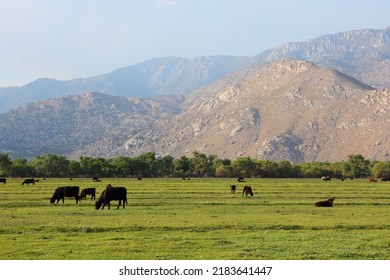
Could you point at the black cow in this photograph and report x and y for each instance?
(67, 191)
(326, 178)
(96, 179)
(385, 179)
(247, 190)
(112, 193)
(29, 181)
(325, 203)
(88, 191)
(240, 180)
(233, 189)
(3, 180)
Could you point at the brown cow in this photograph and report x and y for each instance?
(88, 191)
(325, 203)
(247, 190)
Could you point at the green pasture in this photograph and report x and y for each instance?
(198, 219)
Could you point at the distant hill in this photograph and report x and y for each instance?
(362, 54)
(288, 110)
(68, 124)
(162, 76)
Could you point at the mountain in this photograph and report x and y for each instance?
(288, 110)
(65, 125)
(162, 76)
(362, 54)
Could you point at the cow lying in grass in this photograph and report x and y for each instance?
(325, 203)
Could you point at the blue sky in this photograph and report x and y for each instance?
(71, 39)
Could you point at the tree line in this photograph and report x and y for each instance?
(198, 165)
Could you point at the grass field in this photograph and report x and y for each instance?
(198, 219)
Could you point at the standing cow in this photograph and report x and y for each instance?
(233, 189)
(29, 181)
(88, 191)
(111, 193)
(3, 180)
(67, 191)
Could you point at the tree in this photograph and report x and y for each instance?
(202, 164)
(266, 168)
(243, 167)
(92, 166)
(167, 165)
(224, 171)
(360, 167)
(381, 169)
(182, 166)
(20, 168)
(5, 164)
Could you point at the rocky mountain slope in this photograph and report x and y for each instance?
(363, 54)
(66, 125)
(288, 110)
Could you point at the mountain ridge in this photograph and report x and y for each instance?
(363, 54)
(288, 110)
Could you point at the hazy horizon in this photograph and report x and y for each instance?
(67, 39)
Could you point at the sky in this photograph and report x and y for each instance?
(82, 38)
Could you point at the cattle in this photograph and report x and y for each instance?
(385, 179)
(373, 180)
(88, 191)
(112, 193)
(3, 180)
(325, 203)
(29, 181)
(96, 179)
(233, 189)
(247, 191)
(240, 180)
(67, 191)
(325, 178)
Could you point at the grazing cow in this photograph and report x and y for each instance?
(67, 191)
(29, 181)
(325, 178)
(325, 203)
(240, 180)
(96, 179)
(385, 179)
(247, 190)
(3, 180)
(88, 191)
(139, 179)
(112, 193)
(373, 180)
(233, 189)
